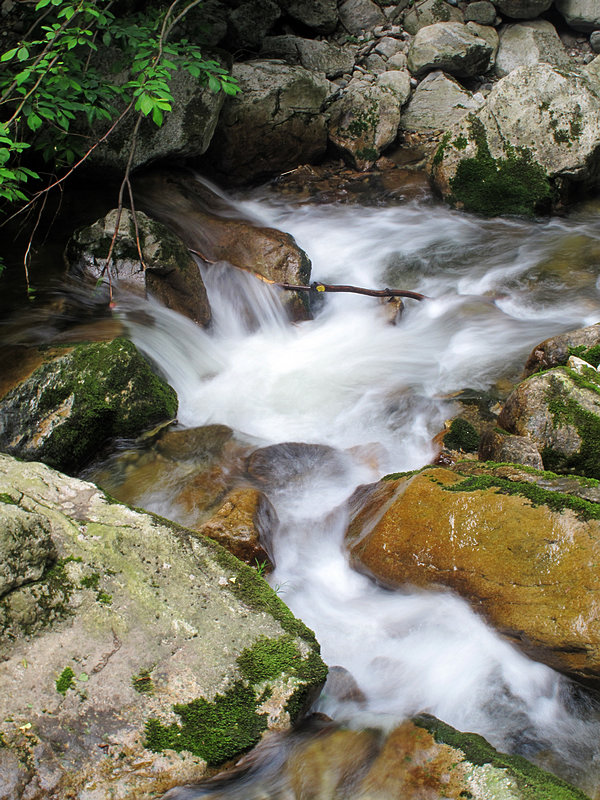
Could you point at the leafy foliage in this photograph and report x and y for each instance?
(54, 82)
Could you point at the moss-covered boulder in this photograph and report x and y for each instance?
(555, 351)
(519, 545)
(534, 140)
(164, 268)
(137, 652)
(69, 407)
(559, 411)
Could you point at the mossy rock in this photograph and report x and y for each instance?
(140, 634)
(522, 546)
(71, 406)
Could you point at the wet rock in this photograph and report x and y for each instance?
(583, 15)
(71, 406)
(168, 272)
(274, 124)
(157, 627)
(529, 43)
(522, 555)
(342, 686)
(242, 524)
(196, 214)
(281, 465)
(429, 12)
(360, 15)
(559, 410)
(365, 120)
(497, 445)
(449, 47)
(438, 103)
(193, 443)
(482, 12)
(554, 352)
(319, 56)
(501, 160)
(522, 9)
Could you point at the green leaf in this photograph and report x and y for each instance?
(22, 53)
(157, 116)
(213, 83)
(34, 122)
(10, 53)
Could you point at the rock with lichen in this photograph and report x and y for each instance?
(451, 47)
(128, 640)
(72, 405)
(507, 538)
(536, 137)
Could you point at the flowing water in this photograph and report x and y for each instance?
(379, 393)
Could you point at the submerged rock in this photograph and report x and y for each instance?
(69, 407)
(168, 272)
(142, 653)
(521, 551)
(502, 160)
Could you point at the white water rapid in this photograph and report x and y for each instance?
(348, 379)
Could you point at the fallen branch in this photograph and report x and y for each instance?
(315, 286)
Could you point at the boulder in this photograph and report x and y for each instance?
(313, 54)
(250, 22)
(360, 15)
(69, 407)
(450, 47)
(438, 103)
(489, 34)
(554, 352)
(140, 655)
(365, 120)
(273, 125)
(318, 15)
(501, 160)
(279, 466)
(168, 272)
(559, 410)
(186, 132)
(583, 15)
(206, 224)
(499, 446)
(522, 552)
(388, 46)
(522, 9)
(482, 12)
(529, 43)
(428, 12)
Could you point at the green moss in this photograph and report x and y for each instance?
(441, 11)
(462, 436)
(539, 473)
(142, 682)
(461, 142)
(367, 154)
(556, 501)
(532, 782)
(214, 731)
(496, 186)
(589, 354)
(6, 498)
(269, 658)
(65, 681)
(439, 153)
(364, 121)
(104, 598)
(396, 476)
(90, 581)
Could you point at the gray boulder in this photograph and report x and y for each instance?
(319, 15)
(360, 15)
(428, 12)
(501, 159)
(500, 447)
(168, 271)
(313, 54)
(71, 406)
(555, 352)
(186, 132)
(583, 15)
(450, 47)
(274, 124)
(141, 655)
(529, 43)
(365, 120)
(522, 9)
(438, 103)
(250, 22)
(482, 12)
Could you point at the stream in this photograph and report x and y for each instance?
(378, 394)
